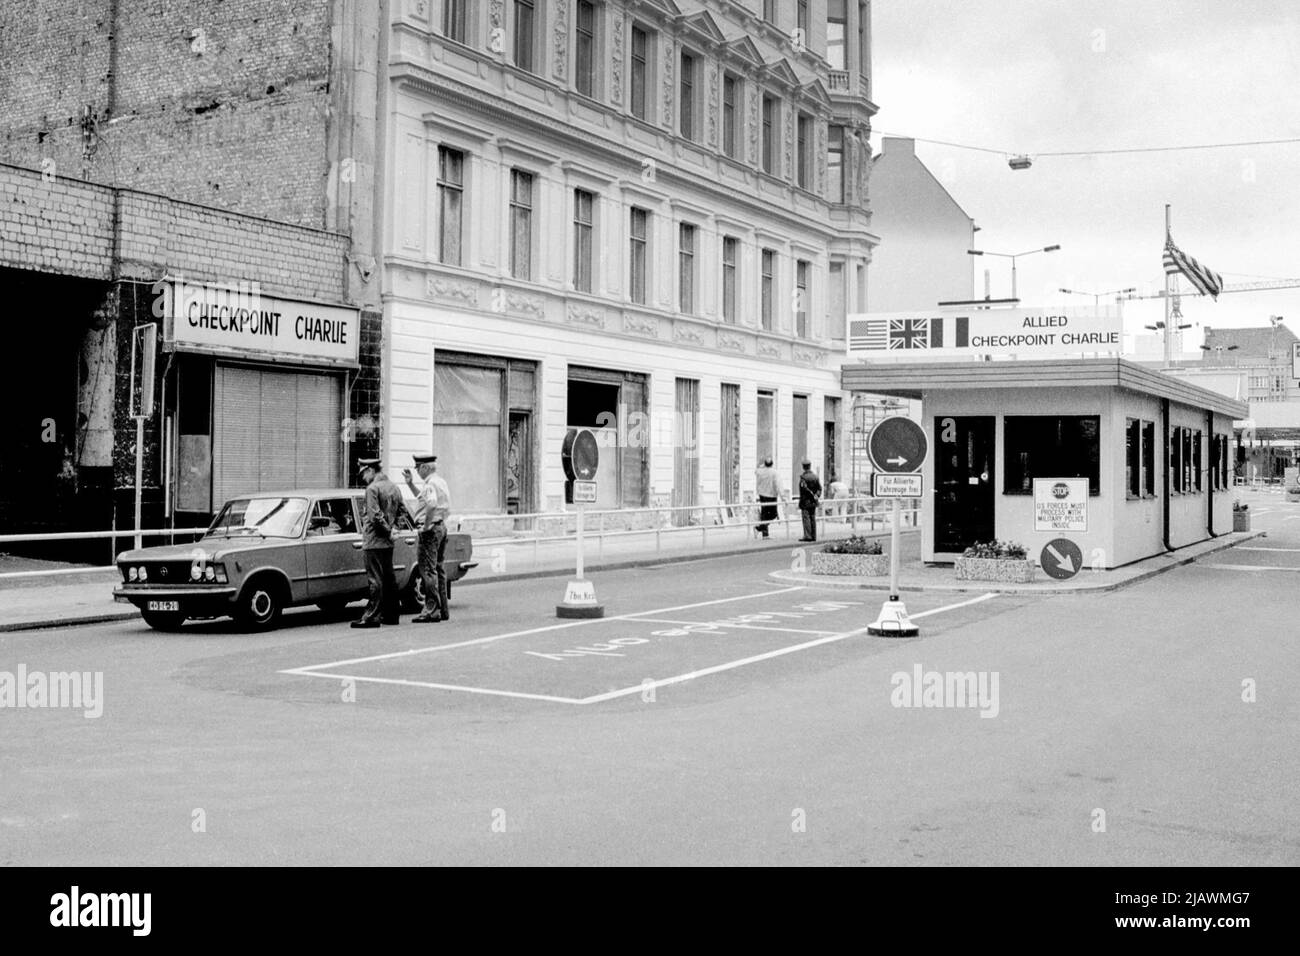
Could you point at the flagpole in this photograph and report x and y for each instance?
(1169, 343)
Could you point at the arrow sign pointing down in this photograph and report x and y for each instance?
(900, 460)
(1063, 562)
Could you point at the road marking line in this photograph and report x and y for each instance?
(1244, 548)
(1250, 567)
(680, 678)
(416, 683)
(748, 627)
(539, 630)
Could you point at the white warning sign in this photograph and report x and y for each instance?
(1060, 504)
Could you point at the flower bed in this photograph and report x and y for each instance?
(869, 565)
(1002, 561)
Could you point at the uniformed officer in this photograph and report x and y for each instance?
(435, 499)
(378, 519)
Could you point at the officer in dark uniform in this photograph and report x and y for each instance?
(378, 519)
(810, 493)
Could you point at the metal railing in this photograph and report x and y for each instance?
(852, 514)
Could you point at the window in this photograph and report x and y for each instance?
(729, 246)
(688, 96)
(638, 84)
(453, 19)
(801, 269)
(769, 11)
(803, 157)
(835, 164)
(1197, 482)
(1050, 446)
(1176, 462)
(1149, 459)
(584, 28)
(766, 292)
(801, 19)
(521, 224)
(525, 41)
(332, 516)
(769, 135)
(638, 230)
(1224, 472)
(451, 187)
(836, 33)
(583, 207)
(686, 268)
(1133, 457)
(730, 115)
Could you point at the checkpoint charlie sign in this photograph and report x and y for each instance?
(1060, 504)
(225, 319)
(945, 333)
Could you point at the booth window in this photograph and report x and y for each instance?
(1176, 461)
(1133, 457)
(1197, 481)
(1222, 458)
(1051, 446)
(1149, 459)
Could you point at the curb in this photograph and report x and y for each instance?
(96, 618)
(795, 577)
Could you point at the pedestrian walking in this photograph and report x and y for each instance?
(378, 519)
(435, 503)
(768, 488)
(810, 490)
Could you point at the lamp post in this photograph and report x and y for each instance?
(1160, 327)
(1096, 296)
(1013, 257)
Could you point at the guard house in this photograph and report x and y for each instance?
(1122, 460)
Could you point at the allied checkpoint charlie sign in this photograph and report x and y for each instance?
(225, 319)
(943, 333)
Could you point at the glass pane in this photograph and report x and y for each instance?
(469, 459)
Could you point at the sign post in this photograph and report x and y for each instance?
(580, 455)
(897, 447)
(144, 340)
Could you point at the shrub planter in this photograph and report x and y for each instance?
(1241, 520)
(1003, 570)
(869, 565)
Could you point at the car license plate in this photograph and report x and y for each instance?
(164, 605)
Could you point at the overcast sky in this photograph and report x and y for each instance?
(1033, 76)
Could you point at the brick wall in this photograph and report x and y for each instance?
(219, 102)
(53, 225)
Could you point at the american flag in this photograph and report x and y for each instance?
(1206, 281)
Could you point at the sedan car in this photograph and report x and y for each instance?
(268, 551)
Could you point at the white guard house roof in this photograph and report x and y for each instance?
(911, 379)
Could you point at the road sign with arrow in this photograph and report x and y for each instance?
(1061, 559)
(898, 445)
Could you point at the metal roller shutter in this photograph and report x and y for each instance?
(274, 431)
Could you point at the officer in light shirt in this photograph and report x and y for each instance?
(435, 500)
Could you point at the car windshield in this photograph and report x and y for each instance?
(271, 517)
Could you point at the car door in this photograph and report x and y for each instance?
(335, 566)
(406, 548)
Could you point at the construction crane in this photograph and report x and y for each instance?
(1234, 287)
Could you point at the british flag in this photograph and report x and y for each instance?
(909, 333)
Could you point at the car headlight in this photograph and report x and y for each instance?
(210, 573)
(144, 573)
(196, 572)
(133, 573)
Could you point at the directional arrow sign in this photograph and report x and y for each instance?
(1061, 559)
(898, 445)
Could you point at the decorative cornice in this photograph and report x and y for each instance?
(770, 349)
(616, 88)
(731, 341)
(685, 333)
(560, 67)
(525, 304)
(805, 356)
(641, 326)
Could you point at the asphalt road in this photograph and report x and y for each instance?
(715, 717)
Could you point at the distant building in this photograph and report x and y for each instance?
(924, 234)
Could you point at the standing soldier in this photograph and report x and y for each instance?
(810, 490)
(378, 519)
(435, 498)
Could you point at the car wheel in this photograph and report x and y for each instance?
(164, 620)
(334, 607)
(413, 596)
(260, 605)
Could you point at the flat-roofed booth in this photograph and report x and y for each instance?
(1012, 444)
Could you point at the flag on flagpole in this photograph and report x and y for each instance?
(1207, 282)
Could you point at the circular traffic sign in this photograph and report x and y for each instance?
(580, 454)
(898, 444)
(1061, 559)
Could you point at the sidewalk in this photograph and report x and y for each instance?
(63, 600)
(914, 576)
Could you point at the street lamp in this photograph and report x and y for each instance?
(1096, 296)
(1013, 257)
